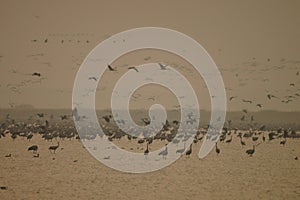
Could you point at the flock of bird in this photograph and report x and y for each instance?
(65, 129)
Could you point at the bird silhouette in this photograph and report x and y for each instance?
(33, 148)
(36, 74)
(162, 67)
(231, 98)
(53, 148)
(245, 111)
(250, 152)
(270, 96)
(217, 149)
(189, 152)
(134, 68)
(259, 105)
(111, 68)
(93, 78)
(164, 152)
(40, 115)
(246, 101)
(146, 152)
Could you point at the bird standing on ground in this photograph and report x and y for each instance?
(53, 148)
(164, 152)
(250, 152)
(189, 152)
(146, 152)
(33, 148)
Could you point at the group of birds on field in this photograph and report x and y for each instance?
(65, 129)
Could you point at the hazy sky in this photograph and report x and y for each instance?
(255, 44)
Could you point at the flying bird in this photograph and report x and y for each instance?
(162, 67)
(271, 96)
(246, 101)
(93, 78)
(231, 98)
(110, 68)
(36, 74)
(259, 105)
(134, 68)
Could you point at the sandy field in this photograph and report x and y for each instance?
(72, 173)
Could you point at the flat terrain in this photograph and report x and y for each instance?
(72, 173)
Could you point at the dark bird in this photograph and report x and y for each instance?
(246, 101)
(283, 141)
(134, 68)
(259, 105)
(46, 40)
(3, 187)
(146, 121)
(189, 152)
(107, 118)
(53, 148)
(146, 152)
(243, 118)
(93, 78)
(110, 68)
(8, 155)
(242, 142)
(292, 84)
(40, 115)
(251, 151)
(271, 136)
(33, 148)
(271, 96)
(217, 149)
(162, 67)
(29, 137)
(297, 73)
(229, 140)
(262, 127)
(63, 117)
(175, 122)
(36, 155)
(245, 111)
(254, 138)
(36, 74)
(231, 98)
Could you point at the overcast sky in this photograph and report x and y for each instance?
(255, 44)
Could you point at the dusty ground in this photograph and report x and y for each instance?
(272, 173)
